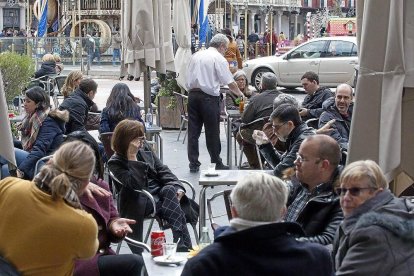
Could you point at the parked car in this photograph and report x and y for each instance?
(332, 58)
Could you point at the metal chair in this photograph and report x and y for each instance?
(257, 124)
(227, 204)
(44, 159)
(152, 217)
(182, 106)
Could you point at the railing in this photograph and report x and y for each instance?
(281, 3)
(98, 4)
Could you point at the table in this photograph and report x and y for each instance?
(160, 270)
(156, 132)
(228, 177)
(231, 115)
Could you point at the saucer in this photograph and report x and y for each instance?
(162, 260)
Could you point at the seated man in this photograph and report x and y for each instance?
(259, 106)
(258, 242)
(312, 202)
(339, 109)
(289, 128)
(78, 104)
(312, 104)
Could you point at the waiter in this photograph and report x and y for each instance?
(207, 71)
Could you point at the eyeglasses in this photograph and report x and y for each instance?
(354, 191)
(276, 128)
(301, 159)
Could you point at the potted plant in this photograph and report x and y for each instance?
(170, 116)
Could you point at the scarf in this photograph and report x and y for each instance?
(242, 224)
(30, 128)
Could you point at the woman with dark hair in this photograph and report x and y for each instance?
(43, 228)
(138, 168)
(120, 105)
(41, 131)
(111, 227)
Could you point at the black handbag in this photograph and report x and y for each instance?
(190, 209)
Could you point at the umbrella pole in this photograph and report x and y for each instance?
(147, 89)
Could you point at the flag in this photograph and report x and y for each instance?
(202, 21)
(42, 27)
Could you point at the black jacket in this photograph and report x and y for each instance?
(280, 162)
(147, 173)
(342, 126)
(314, 102)
(78, 105)
(260, 105)
(270, 249)
(322, 214)
(49, 138)
(47, 68)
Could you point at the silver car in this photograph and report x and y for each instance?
(332, 58)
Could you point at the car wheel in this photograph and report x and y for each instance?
(257, 77)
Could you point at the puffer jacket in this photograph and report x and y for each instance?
(322, 214)
(49, 138)
(314, 102)
(341, 127)
(280, 162)
(78, 105)
(377, 239)
(47, 68)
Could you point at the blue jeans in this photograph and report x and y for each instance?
(116, 54)
(20, 155)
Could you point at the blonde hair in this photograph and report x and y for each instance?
(56, 57)
(71, 165)
(259, 197)
(69, 84)
(48, 57)
(364, 169)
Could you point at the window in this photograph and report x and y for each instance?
(341, 49)
(311, 50)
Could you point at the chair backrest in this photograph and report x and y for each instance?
(106, 141)
(181, 104)
(40, 162)
(227, 204)
(257, 124)
(59, 81)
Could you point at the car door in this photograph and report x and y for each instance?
(304, 58)
(338, 65)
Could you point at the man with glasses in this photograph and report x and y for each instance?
(289, 128)
(207, 70)
(312, 202)
(259, 106)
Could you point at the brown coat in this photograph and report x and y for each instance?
(233, 54)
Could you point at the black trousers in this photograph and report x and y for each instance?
(125, 264)
(203, 109)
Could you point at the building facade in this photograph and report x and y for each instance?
(12, 14)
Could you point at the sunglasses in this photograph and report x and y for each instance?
(354, 191)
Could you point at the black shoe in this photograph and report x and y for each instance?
(221, 166)
(194, 168)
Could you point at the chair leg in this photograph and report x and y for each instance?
(195, 233)
(118, 248)
(181, 128)
(259, 157)
(241, 156)
(235, 150)
(149, 230)
(186, 132)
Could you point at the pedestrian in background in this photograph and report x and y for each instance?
(116, 47)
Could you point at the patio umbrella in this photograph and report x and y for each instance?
(6, 146)
(383, 126)
(182, 29)
(146, 39)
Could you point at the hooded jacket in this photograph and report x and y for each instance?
(49, 138)
(47, 68)
(377, 239)
(314, 102)
(342, 125)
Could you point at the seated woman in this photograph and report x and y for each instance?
(376, 236)
(48, 66)
(232, 100)
(44, 223)
(120, 105)
(137, 167)
(111, 227)
(41, 130)
(71, 83)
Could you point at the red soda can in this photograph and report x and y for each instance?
(157, 239)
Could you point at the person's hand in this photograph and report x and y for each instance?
(120, 227)
(92, 189)
(19, 173)
(303, 112)
(133, 149)
(260, 137)
(180, 195)
(327, 128)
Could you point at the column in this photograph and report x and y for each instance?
(1, 18)
(278, 27)
(237, 13)
(22, 17)
(262, 27)
(296, 25)
(252, 15)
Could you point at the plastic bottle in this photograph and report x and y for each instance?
(204, 238)
(148, 118)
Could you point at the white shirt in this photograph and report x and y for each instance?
(208, 70)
